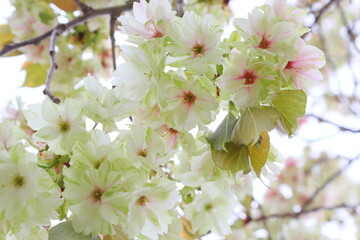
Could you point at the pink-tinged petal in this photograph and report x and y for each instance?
(310, 56)
(313, 74)
(171, 136)
(134, 27)
(303, 78)
(229, 80)
(233, 84)
(243, 24)
(278, 6)
(282, 32)
(257, 21)
(140, 11)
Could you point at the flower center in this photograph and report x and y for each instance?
(142, 153)
(18, 181)
(264, 44)
(198, 49)
(99, 162)
(142, 200)
(249, 78)
(289, 65)
(158, 34)
(64, 126)
(97, 194)
(189, 98)
(208, 207)
(172, 131)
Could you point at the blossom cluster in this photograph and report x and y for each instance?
(166, 171)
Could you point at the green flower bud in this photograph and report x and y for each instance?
(187, 194)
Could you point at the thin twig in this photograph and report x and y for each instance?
(352, 38)
(311, 210)
(329, 60)
(116, 10)
(112, 39)
(342, 128)
(179, 8)
(319, 138)
(264, 221)
(349, 30)
(307, 171)
(53, 65)
(319, 14)
(314, 195)
(327, 182)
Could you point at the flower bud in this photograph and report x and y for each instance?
(187, 194)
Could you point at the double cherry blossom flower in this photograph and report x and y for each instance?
(243, 78)
(150, 19)
(304, 68)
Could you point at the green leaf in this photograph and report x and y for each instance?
(219, 69)
(5, 35)
(254, 120)
(63, 210)
(46, 17)
(222, 134)
(187, 194)
(35, 74)
(66, 231)
(234, 37)
(259, 152)
(291, 105)
(236, 158)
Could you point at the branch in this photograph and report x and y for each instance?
(112, 38)
(264, 220)
(342, 128)
(327, 182)
(316, 209)
(329, 60)
(349, 30)
(116, 11)
(179, 8)
(319, 13)
(53, 65)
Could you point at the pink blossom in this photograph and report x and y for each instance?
(243, 79)
(264, 31)
(304, 67)
(151, 117)
(197, 40)
(150, 19)
(189, 104)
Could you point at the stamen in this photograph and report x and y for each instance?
(198, 49)
(189, 98)
(142, 200)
